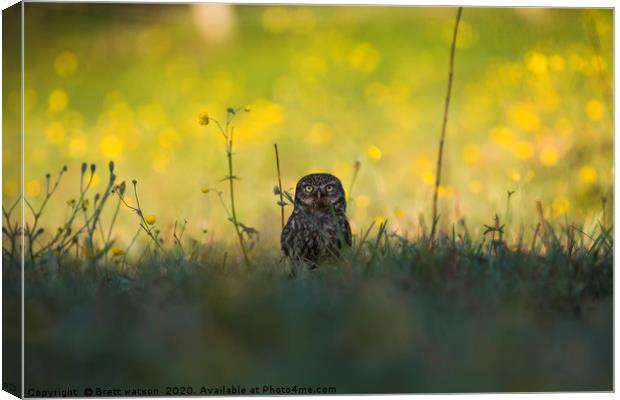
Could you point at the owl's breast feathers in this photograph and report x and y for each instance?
(315, 234)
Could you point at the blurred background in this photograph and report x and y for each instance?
(531, 109)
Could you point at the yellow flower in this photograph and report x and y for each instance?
(428, 178)
(111, 146)
(150, 219)
(524, 116)
(364, 58)
(320, 134)
(65, 64)
(475, 186)
(502, 136)
(379, 219)
(33, 188)
(399, 213)
(117, 251)
(536, 62)
(203, 118)
(548, 156)
(514, 174)
(560, 205)
(587, 174)
(247, 109)
(205, 190)
(445, 191)
(523, 150)
(374, 153)
(471, 154)
(57, 101)
(594, 109)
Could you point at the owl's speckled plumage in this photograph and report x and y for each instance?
(318, 226)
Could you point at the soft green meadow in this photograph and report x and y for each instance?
(152, 199)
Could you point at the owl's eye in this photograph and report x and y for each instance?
(329, 188)
(308, 188)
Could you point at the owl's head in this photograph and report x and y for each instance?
(320, 191)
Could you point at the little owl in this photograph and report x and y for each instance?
(318, 226)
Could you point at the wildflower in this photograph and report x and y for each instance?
(117, 251)
(560, 205)
(594, 109)
(247, 109)
(203, 118)
(548, 156)
(471, 154)
(206, 190)
(379, 220)
(374, 153)
(58, 101)
(587, 174)
(523, 150)
(150, 219)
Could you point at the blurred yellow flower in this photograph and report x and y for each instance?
(556, 63)
(471, 154)
(117, 251)
(362, 201)
(560, 205)
(523, 150)
(475, 186)
(514, 174)
(33, 188)
(57, 101)
(205, 190)
(150, 219)
(536, 62)
(77, 147)
(374, 153)
(9, 188)
(524, 116)
(55, 132)
(379, 219)
(502, 136)
(594, 109)
(126, 201)
(428, 178)
(587, 174)
(364, 58)
(445, 191)
(548, 156)
(65, 64)
(276, 19)
(399, 213)
(111, 146)
(247, 109)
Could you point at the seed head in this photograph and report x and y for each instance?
(203, 118)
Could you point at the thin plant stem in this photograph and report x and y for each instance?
(233, 212)
(275, 145)
(444, 124)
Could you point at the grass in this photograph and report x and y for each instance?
(460, 313)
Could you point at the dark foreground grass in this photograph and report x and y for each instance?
(391, 316)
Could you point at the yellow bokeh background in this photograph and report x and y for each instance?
(530, 109)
